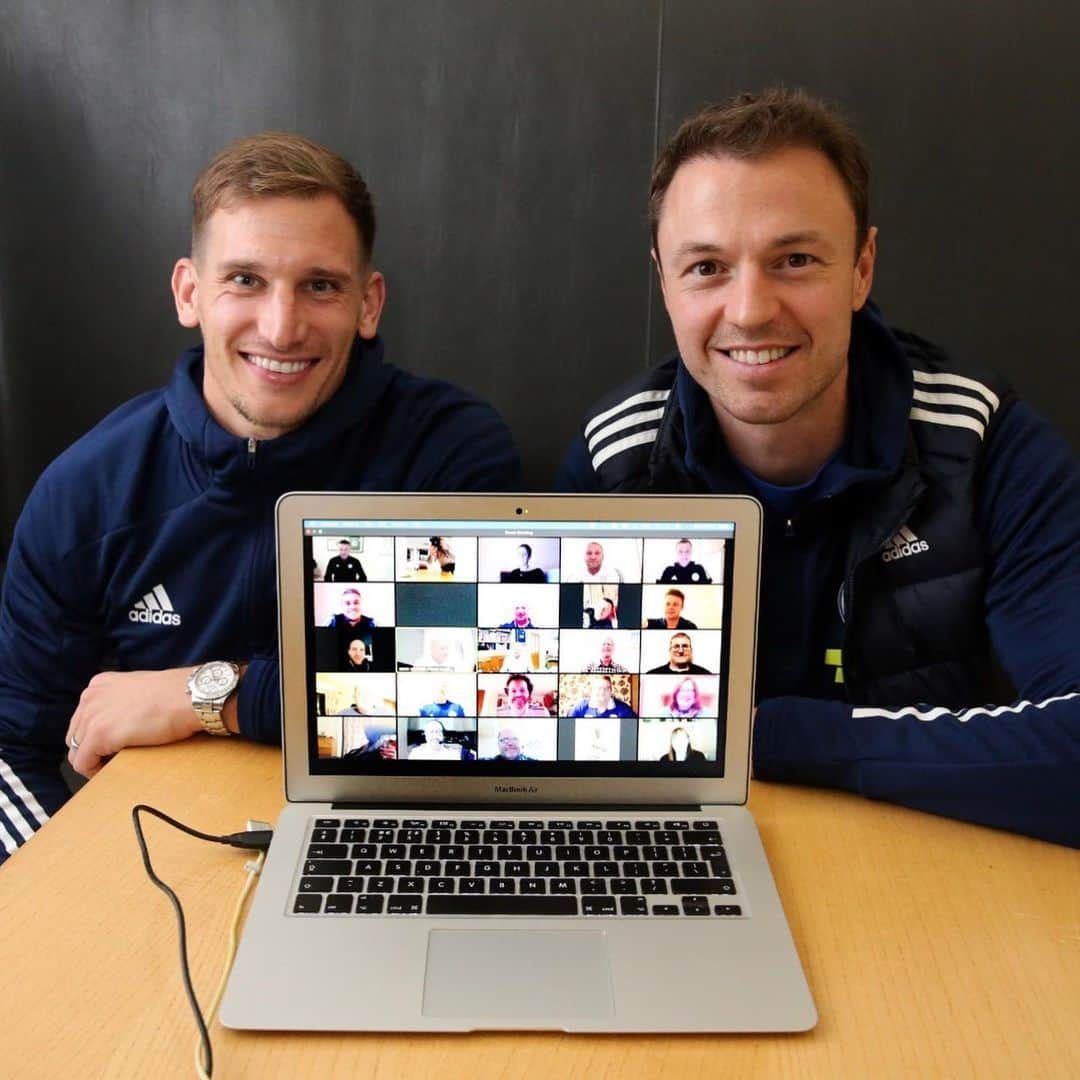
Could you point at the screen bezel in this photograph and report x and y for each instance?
(454, 787)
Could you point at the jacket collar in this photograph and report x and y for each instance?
(228, 461)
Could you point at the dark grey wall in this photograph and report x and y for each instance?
(509, 146)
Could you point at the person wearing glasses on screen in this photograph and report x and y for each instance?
(680, 659)
(685, 700)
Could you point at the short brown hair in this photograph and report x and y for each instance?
(750, 126)
(275, 163)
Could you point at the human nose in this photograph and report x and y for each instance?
(751, 299)
(281, 319)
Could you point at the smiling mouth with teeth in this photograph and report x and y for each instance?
(279, 367)
(755, 357)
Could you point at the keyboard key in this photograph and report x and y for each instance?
(316, 884)
(598, 905)
(650, 825)
(684, 852)
(410, 836)
(393, 851)
(593, 887)
(713, 886)
(727, 909)
(700, 836)
(440, 884)
(474, 824)
(482, 851)
(589, 825)
(553, 836)
(523, 836)
(410, 885)
(421, 851)
(450, 851)
(695, 905)
(693, 869)
(618, 825)
(339, 904)
(624, 852)
(530, 825)
(386, 823)
(568, 852)
(328, 866)
(380, 885)
(676, 824)
(353, 836)
(496, 836)
(324, 836)
(380, 836)
(308, 905)
(502, 905)
(595, 852)
(533, 887)
(665, 909)
(560, 825)
(609, 836)
(638, 836)
(665, 869)
(517, 869)
(576, 869)
(369, 905)
(539, 853)
(500, 825)
(654, 851)
(350, 884)
(362, 851)
(443, 823)
(428, 868)
(405, 904)
(623, 887)
(633, 905)
(605, 869)
(328, 851)
(635, 869)
(471, 885)
(669, 836)
(327, 823)
(510, 853)
(357, 823)
(438, 836)
(562, 886)
(487, 869)
(414, 823)
(502, 886)
(368, 866)
(458, 868)
(545, 869)
(653, 886)
(580, 836)
(398, 867)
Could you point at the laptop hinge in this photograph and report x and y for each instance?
(494, 808)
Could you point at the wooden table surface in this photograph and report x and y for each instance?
(932, 948)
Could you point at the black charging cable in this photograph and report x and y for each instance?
(250, 840)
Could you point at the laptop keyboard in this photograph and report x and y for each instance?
(498, 866)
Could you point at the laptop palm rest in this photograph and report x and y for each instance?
(529, 975)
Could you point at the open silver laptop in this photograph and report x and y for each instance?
(516, 749)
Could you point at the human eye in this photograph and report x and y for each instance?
(323, 286)
(704, 268)
(242, 279)
(797, 260)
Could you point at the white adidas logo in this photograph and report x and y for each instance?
(155, 607)
(904, 543)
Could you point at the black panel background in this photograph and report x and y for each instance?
(508, 146)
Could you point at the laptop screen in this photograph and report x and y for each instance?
(499, 648)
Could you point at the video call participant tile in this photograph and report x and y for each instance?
(681, 652)
(599, 607)
(682, 607)
(517, 695)
(598, 695)
(355, 695)
(517, 739)
(674, 741)
(447, 739)
(684, 561)
(601, 738)
(360, 740)
(350, 559)
(534, 561)
(611, 561)
(436, 558)
(354, 651)
(531, 651)
(354, 607)
(680, 696)
(603, 651)
(436, 648)
(439, 694)
(517, 607)
(426, 604)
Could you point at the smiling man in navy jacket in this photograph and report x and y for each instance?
(146, 551)
(920, 615)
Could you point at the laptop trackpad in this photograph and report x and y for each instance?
(517, 974)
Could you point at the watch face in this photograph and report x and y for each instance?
(214, 679)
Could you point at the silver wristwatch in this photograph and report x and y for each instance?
(210, 686)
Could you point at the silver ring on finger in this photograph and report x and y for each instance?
(73, 743)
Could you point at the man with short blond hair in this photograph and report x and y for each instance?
(921, 551)
(151, 633)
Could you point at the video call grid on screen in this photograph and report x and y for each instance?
(562, 648)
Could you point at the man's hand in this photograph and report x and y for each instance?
(129, 708)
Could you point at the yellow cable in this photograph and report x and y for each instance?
(253, 869)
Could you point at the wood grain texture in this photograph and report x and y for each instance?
(932, 948)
